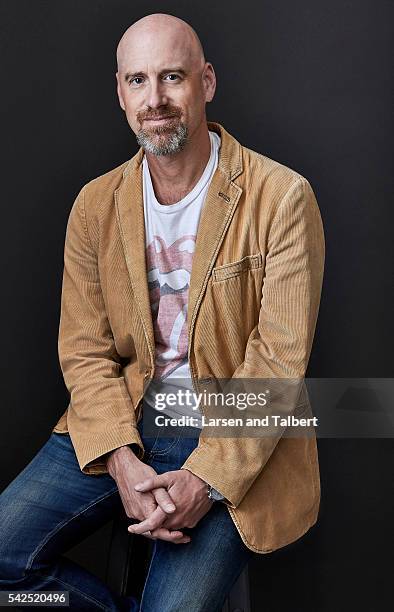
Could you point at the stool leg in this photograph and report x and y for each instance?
(128, 559)
(139, 560)
(119, 556)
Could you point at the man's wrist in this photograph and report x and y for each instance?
(136, 450)
(117, 455)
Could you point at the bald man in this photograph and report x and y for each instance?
(125, 341)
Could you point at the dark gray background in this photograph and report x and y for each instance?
(307, 83)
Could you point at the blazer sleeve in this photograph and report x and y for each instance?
(279, 346)
(100, 415)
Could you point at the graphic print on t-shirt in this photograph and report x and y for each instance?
(169, 270)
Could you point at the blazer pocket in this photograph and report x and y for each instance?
(235, 268)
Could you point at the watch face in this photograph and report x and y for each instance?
(215, 495)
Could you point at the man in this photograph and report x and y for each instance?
(192, 201)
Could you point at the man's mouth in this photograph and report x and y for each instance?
(160, 119)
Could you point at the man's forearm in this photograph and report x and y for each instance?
(88, 357)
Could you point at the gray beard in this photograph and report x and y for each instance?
(173, 143)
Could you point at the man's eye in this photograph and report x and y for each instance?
(172, 75)
(133, 81)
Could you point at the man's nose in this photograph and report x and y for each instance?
(156, 96)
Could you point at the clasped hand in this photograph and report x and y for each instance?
(164, 504)
(187, 491)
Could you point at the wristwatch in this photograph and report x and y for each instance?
(214, 495)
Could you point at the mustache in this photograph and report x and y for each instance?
(170, 112)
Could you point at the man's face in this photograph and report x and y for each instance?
(163, 91)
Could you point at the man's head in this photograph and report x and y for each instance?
(163, 81)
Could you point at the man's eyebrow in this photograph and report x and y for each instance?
(133, 75)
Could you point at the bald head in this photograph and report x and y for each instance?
(160, 33)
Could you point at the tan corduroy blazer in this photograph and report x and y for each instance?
(253, 303)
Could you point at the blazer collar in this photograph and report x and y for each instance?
(221, 200)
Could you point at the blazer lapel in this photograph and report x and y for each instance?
(219, 206)
(130, 214)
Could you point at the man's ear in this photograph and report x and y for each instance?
(209, 80)
(118, 89)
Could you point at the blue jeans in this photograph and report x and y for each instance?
(51, 506)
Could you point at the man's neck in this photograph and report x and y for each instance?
(174, 176)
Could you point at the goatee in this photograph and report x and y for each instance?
(163, 139)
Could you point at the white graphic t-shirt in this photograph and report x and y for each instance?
(171, 232)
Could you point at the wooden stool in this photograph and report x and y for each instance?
(128, 563)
